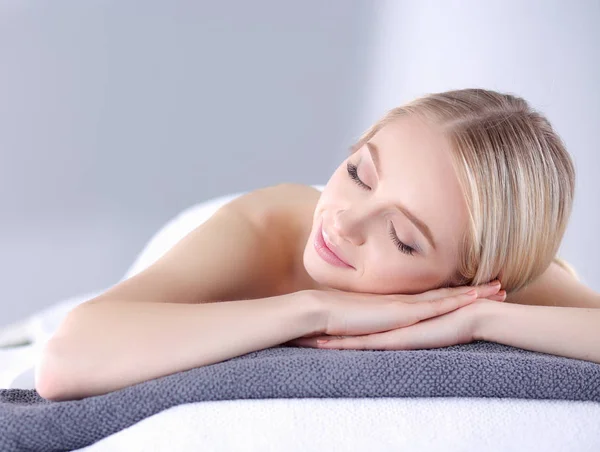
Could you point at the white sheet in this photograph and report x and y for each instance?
(391, 424)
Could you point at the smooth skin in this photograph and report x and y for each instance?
(250, 278)
(212, 298)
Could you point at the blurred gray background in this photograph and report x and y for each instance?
(116, 115)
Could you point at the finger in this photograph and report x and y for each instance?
(302, 342)
(500, 296)
(434, 308)
(365, 342)
(312, 341)
(445, 292)
(398, 339)
(487, 290)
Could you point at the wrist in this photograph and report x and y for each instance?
(484, 312)
(312, 311)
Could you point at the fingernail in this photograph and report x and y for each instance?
(322, 341)
(500, 296)
(471, 292)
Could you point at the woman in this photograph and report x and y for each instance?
(438, 198)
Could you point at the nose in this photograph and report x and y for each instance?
(348, 225)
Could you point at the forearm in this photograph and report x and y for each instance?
(563, 331)
(102, 347)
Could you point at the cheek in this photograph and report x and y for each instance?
(386, 273)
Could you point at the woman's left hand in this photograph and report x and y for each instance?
(456, 327)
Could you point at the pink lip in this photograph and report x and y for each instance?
(326, 252)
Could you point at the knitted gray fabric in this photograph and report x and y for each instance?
(479, 369)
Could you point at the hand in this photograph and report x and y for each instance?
(351, 314)
(456, 327)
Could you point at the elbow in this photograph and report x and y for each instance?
(58, 369)
(51, 374)
(45, 373)
(46, 389)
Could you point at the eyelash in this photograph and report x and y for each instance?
(401, 246)
(353, 173)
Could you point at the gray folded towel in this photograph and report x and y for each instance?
(479, 369)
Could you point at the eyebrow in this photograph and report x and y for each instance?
(421, 226)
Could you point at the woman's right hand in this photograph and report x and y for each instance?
(354, 314)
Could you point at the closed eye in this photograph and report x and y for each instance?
(353, 173)
(399, 244)
(404, 248)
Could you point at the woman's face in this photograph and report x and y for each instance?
(393, 212)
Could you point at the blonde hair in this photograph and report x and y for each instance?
(517, 177)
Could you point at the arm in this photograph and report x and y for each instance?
(111, 345)
(573, 332)
(214, 295)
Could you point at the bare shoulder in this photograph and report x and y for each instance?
(281, 213)
(276, 203)
(557, 286)
(241, 252)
